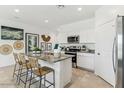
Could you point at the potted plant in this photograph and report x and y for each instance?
(36, 50)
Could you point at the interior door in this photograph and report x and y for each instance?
(103, 55)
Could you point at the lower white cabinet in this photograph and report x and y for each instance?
(85, 60)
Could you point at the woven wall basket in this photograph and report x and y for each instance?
(18, 45)
(46, 39)
(6, 49)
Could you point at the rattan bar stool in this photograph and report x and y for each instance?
(19, 66)
(23, 69)
(39, 72)
(16, 66)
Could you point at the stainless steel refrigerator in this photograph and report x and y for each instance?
(118, 53)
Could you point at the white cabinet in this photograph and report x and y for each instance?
(103, 52)
(63, 72)
(66, 70)
(91, 36)
(83, 36)
(62, 37)
(85, 60)
(87, 36)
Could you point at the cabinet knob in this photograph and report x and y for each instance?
(98, 53)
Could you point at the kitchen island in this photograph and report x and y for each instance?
(62, 66)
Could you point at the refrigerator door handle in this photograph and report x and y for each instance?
(113, 55)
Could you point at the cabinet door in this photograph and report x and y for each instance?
(90, 36)
(87, 36)
(83, 36)
(103, 57)
(62, 37)
(66, 70)
(86, 61)
(104, 38)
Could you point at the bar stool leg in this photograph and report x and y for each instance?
(26, 78)
(40, 81)
(44, 80)
(30, 79)
(54, 79)
(14, 70)
(20, 75)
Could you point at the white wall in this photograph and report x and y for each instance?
(85, 29)
(79, 25)
(108, 13)
(8, 59)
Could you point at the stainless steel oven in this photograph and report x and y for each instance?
(74, 58)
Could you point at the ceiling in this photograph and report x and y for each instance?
(37, 14)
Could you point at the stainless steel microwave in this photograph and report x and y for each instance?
(73, 39)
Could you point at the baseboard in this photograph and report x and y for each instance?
(104, 80)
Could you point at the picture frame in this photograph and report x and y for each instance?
(11, 33)
(49, 46)
(31, 41)
(43, 46)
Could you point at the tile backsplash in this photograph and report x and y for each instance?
(88, 45)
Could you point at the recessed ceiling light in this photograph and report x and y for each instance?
(16, 10)
(46, 21)
(79, 9)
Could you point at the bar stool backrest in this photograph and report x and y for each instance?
(33, 63)
(16, 58)
(22, 58)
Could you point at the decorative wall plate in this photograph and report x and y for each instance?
(18, 45)
(6, 49)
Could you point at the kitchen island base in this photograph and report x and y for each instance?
(63, 72)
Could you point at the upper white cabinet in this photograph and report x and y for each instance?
(87, 36)
(85, 29)
(62, 37)
(104, 36)
(83, 36)
(91, 36)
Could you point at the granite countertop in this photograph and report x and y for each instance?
(51, 58)
(91, 52)
(87, 52)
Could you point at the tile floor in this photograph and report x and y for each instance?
(80, 79)
(86, 79)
